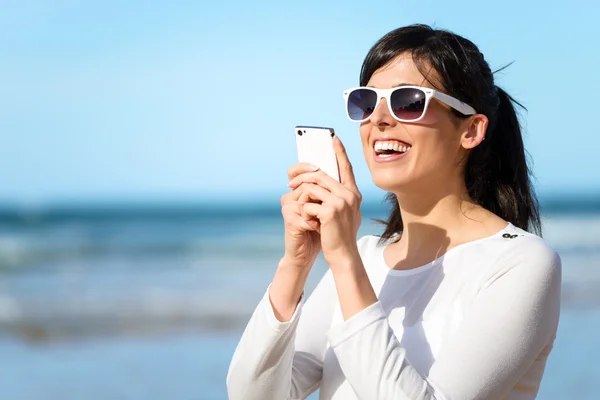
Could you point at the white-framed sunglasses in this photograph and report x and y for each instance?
(406, 103)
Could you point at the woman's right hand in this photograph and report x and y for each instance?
(302, 239)
(302, 246)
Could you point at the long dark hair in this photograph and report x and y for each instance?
(497, 175)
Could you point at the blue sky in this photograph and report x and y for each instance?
(110, 101)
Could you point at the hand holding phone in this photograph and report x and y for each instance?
(315, 146)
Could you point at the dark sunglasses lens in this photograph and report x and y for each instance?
(361, 104)
(408, 103)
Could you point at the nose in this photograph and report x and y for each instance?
(381, 115)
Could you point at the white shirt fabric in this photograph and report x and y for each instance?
(477, 323)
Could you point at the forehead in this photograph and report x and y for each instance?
(403, 70)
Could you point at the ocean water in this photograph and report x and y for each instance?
(138, 303)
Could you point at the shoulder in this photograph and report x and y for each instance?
(525, 247)
(370, 244)
(521, 253)
(367, 243)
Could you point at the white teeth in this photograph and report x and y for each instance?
(390, 145)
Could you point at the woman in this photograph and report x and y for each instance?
(456, 300)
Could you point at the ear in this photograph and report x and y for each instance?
(475, 133)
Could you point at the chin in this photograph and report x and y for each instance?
(391, 180)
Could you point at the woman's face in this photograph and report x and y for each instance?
(436, 141)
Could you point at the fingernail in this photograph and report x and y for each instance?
(313, 167)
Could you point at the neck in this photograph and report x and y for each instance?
(429, 215)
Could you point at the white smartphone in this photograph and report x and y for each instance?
(315, 146)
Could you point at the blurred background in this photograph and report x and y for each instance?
(144, 148)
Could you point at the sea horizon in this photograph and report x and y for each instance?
(12, 211)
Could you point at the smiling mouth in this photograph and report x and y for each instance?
(388, 148)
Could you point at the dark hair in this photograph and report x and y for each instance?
(497, 175)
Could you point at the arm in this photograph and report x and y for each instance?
(283, 360)
(514, 317)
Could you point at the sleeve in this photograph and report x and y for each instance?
(514, 317)
(283, 360)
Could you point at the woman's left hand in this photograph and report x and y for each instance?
(334, 205)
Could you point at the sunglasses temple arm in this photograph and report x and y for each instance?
(454, 103)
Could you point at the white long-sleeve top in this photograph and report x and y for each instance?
(477, 323)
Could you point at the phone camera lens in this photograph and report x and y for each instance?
(299, 132)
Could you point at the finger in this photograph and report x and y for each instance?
(305, 197)
(307, 220)
(292, 215)
(346, 173)
(310, 211)
(289, 198)
(320, 178)
(300, 168)
(311, 193)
